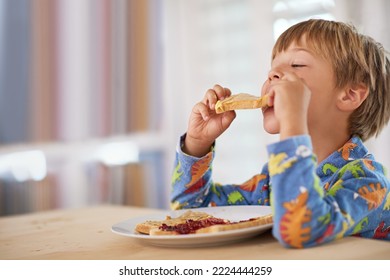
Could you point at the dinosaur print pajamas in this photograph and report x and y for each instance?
(346, 194)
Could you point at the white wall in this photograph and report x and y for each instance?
(203, 49)
(371, 17)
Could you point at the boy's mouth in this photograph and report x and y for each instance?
(265, 108)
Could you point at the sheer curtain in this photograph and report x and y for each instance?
(80, 104)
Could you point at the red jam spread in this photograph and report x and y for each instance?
(190, 226)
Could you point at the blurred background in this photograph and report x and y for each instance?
(94, 94)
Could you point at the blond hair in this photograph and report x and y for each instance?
(355, 58)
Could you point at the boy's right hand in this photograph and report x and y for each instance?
(205, 125)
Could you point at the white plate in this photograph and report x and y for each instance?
(232, 213)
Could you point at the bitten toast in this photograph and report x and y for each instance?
(240, 101)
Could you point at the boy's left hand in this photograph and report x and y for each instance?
(290, 98)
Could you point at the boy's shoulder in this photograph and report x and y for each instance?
(352, 160)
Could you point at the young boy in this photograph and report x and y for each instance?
(329, 90)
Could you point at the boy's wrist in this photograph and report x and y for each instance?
(193, 147)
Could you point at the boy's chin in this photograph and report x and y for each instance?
(272, 131)
(272, 127)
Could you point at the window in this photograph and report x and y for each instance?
(289, 12)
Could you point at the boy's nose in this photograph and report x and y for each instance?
(274, 74)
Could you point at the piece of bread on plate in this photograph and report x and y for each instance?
(147, 226)
(240, 101)
(259, 221)
(208, 225)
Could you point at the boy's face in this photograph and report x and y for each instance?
(318, 75)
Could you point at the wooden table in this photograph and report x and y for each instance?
(80, 234)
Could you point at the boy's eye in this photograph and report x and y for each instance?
(297, 65)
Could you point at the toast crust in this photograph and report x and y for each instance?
(240, 101)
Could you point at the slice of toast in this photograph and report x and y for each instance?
(259, 221)
(221, 225)
(240, 101)
(147, 226)
(190, 226)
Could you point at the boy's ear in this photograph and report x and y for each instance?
(352, 97)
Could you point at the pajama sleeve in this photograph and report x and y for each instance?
(309, 210)
(192, 184)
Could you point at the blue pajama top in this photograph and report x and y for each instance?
(346, 194)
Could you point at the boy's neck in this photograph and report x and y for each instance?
(325, 145)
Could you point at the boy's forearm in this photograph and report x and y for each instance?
(190, 176)
(293, 126)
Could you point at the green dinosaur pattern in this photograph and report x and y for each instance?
(336, 187)
(317, 186)
(329, 169)
(235, 197)
(356, 168)
(214, 188)
(177, 173)
(360, 226)
(325, 219)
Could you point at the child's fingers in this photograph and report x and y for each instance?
(227, 92)
(213, 95)
(202, 109)
(266, 91)
(228, 117)
(221, 92)
(210, 99)
(270, 97)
